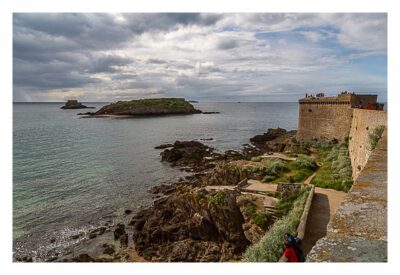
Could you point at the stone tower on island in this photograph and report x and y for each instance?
(323, 117)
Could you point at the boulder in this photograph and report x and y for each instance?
(190, 226)
(119, 231)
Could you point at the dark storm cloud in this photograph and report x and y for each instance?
(106, 56)
(227, 44)
(143, 22)
(63, 50)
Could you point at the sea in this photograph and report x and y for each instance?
(71, 174)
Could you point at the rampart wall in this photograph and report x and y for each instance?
(358, 230)
(324, 120)
(363, 123)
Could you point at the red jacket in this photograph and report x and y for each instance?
(290, 254)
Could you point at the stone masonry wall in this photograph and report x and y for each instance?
(358, 230)
(327, 120)
(363, 123)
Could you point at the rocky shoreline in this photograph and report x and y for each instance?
(187, 222)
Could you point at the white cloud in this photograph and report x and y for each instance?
(202, 56)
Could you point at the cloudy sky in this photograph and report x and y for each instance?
(208, 57)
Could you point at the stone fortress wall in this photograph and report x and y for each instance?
(329, 117)
(358, 230)
(363, 123)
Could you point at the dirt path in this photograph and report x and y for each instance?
(324, 205)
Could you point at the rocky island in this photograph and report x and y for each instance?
(74, 104)
(147, 107)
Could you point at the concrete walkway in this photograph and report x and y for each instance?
(279, 156)
(324, 205)
(256, 185)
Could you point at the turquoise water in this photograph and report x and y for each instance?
(71, 173)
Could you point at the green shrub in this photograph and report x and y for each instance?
(336, 170)
(301, 175)
(375, 136)
(262, 219)
(268, 178)
(275, 167)
(270, 247)
(217, 199)
(323, 143)
(291, 154)
(305, 162)
(256, 159)
(249, 208)
(198, 197)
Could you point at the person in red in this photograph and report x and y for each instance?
(290, 253)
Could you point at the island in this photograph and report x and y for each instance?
(147, 107)
(74, 104)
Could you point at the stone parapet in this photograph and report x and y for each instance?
(358, 230)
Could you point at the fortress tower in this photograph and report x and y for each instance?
(323, 117)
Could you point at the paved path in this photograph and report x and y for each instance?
(324, 205)
(256, 185)
(279, 156)
(220, 187)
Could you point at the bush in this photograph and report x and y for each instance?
(217, 199)
(291, 154)
(262, 219)
(249, 208)
(198, 196)
(268, 178)
(336, 170)
(256, 159)
(375, 136)
(270, 247)
(301, 175)
(305, 162)
(323, 143)
(274, 167)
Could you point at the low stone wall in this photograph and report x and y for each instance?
(363, 123)
(301, 228)
(358, 230)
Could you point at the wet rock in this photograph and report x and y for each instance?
(87, 114)
(271, 134)
(209, 113)
(119, 231)
(25, 259)
(162, 189)
(76, 236)
(98, 231)
(164, 146)
(191, 155)
(108, 249)
(128, 211)
(84, 258)
(124, 240)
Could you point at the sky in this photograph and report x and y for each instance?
(255, 57)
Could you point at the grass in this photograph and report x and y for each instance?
(270, 247)
(286, 204)
(335, 171)
(278, 171)
(375, 136)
